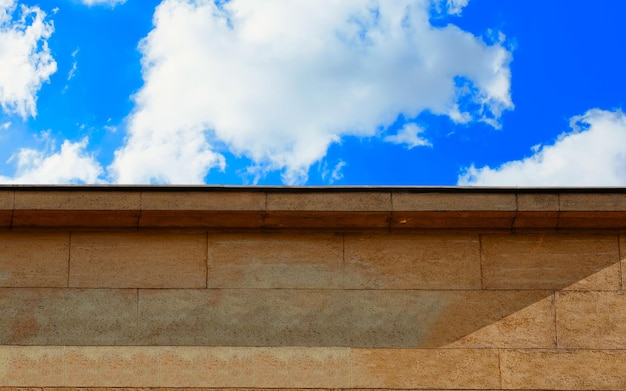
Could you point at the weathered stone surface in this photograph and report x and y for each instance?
(329, 201)
(425, 368)
(548, 260)
(563, 369)
(591, 320)
(31, 366)
(201, 200)
(527, 320)
(275, 260)
(440, 201)
(34, 260)
(67, 316)
(138, 260)
(412, 261)
(242, 317)
(77, 200)
(592, 201)
(286, 367)
(120, 366)
(352, 318)
(192, 366)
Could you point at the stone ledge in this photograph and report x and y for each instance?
(394, 208)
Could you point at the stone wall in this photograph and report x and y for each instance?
(312, 288)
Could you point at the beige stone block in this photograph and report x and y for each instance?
(7, 198)
(563, 369)
(538, 202)
(34, 259)
(203, 200)
(55, 199)
(275, 260)
(610, 202)
(138, 260)
(242, 317)
(445, 202)
(301, 367)
(548, 260)
(425, 368)
(358, 201)
(67, 316)
(509, 319)
(412, 261)
(105, 366)
(592, 320)
(191, 366)
(31, 366)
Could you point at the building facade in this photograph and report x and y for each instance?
(300, 288)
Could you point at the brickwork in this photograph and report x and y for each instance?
(331, 303)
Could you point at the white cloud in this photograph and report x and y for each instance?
(410, 136)
(279, 81)
(593, 153)
(25, 59)
(5, 125)
(110, 3)
(72, 72)
(70, 164)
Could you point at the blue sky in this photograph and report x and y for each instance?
(356, 92)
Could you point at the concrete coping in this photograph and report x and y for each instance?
(310, 207)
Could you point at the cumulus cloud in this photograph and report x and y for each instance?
(25, 59)
(279, 81)
(70, 164)
(593, 153)
(409, 135)
(110, 3)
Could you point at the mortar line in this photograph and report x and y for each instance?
(343, 261)
(619, 255)
(64, 366)
(556, 334)
(480, 260)
(137, 315)
(69, 257)
(500, 368)
(206, 260)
